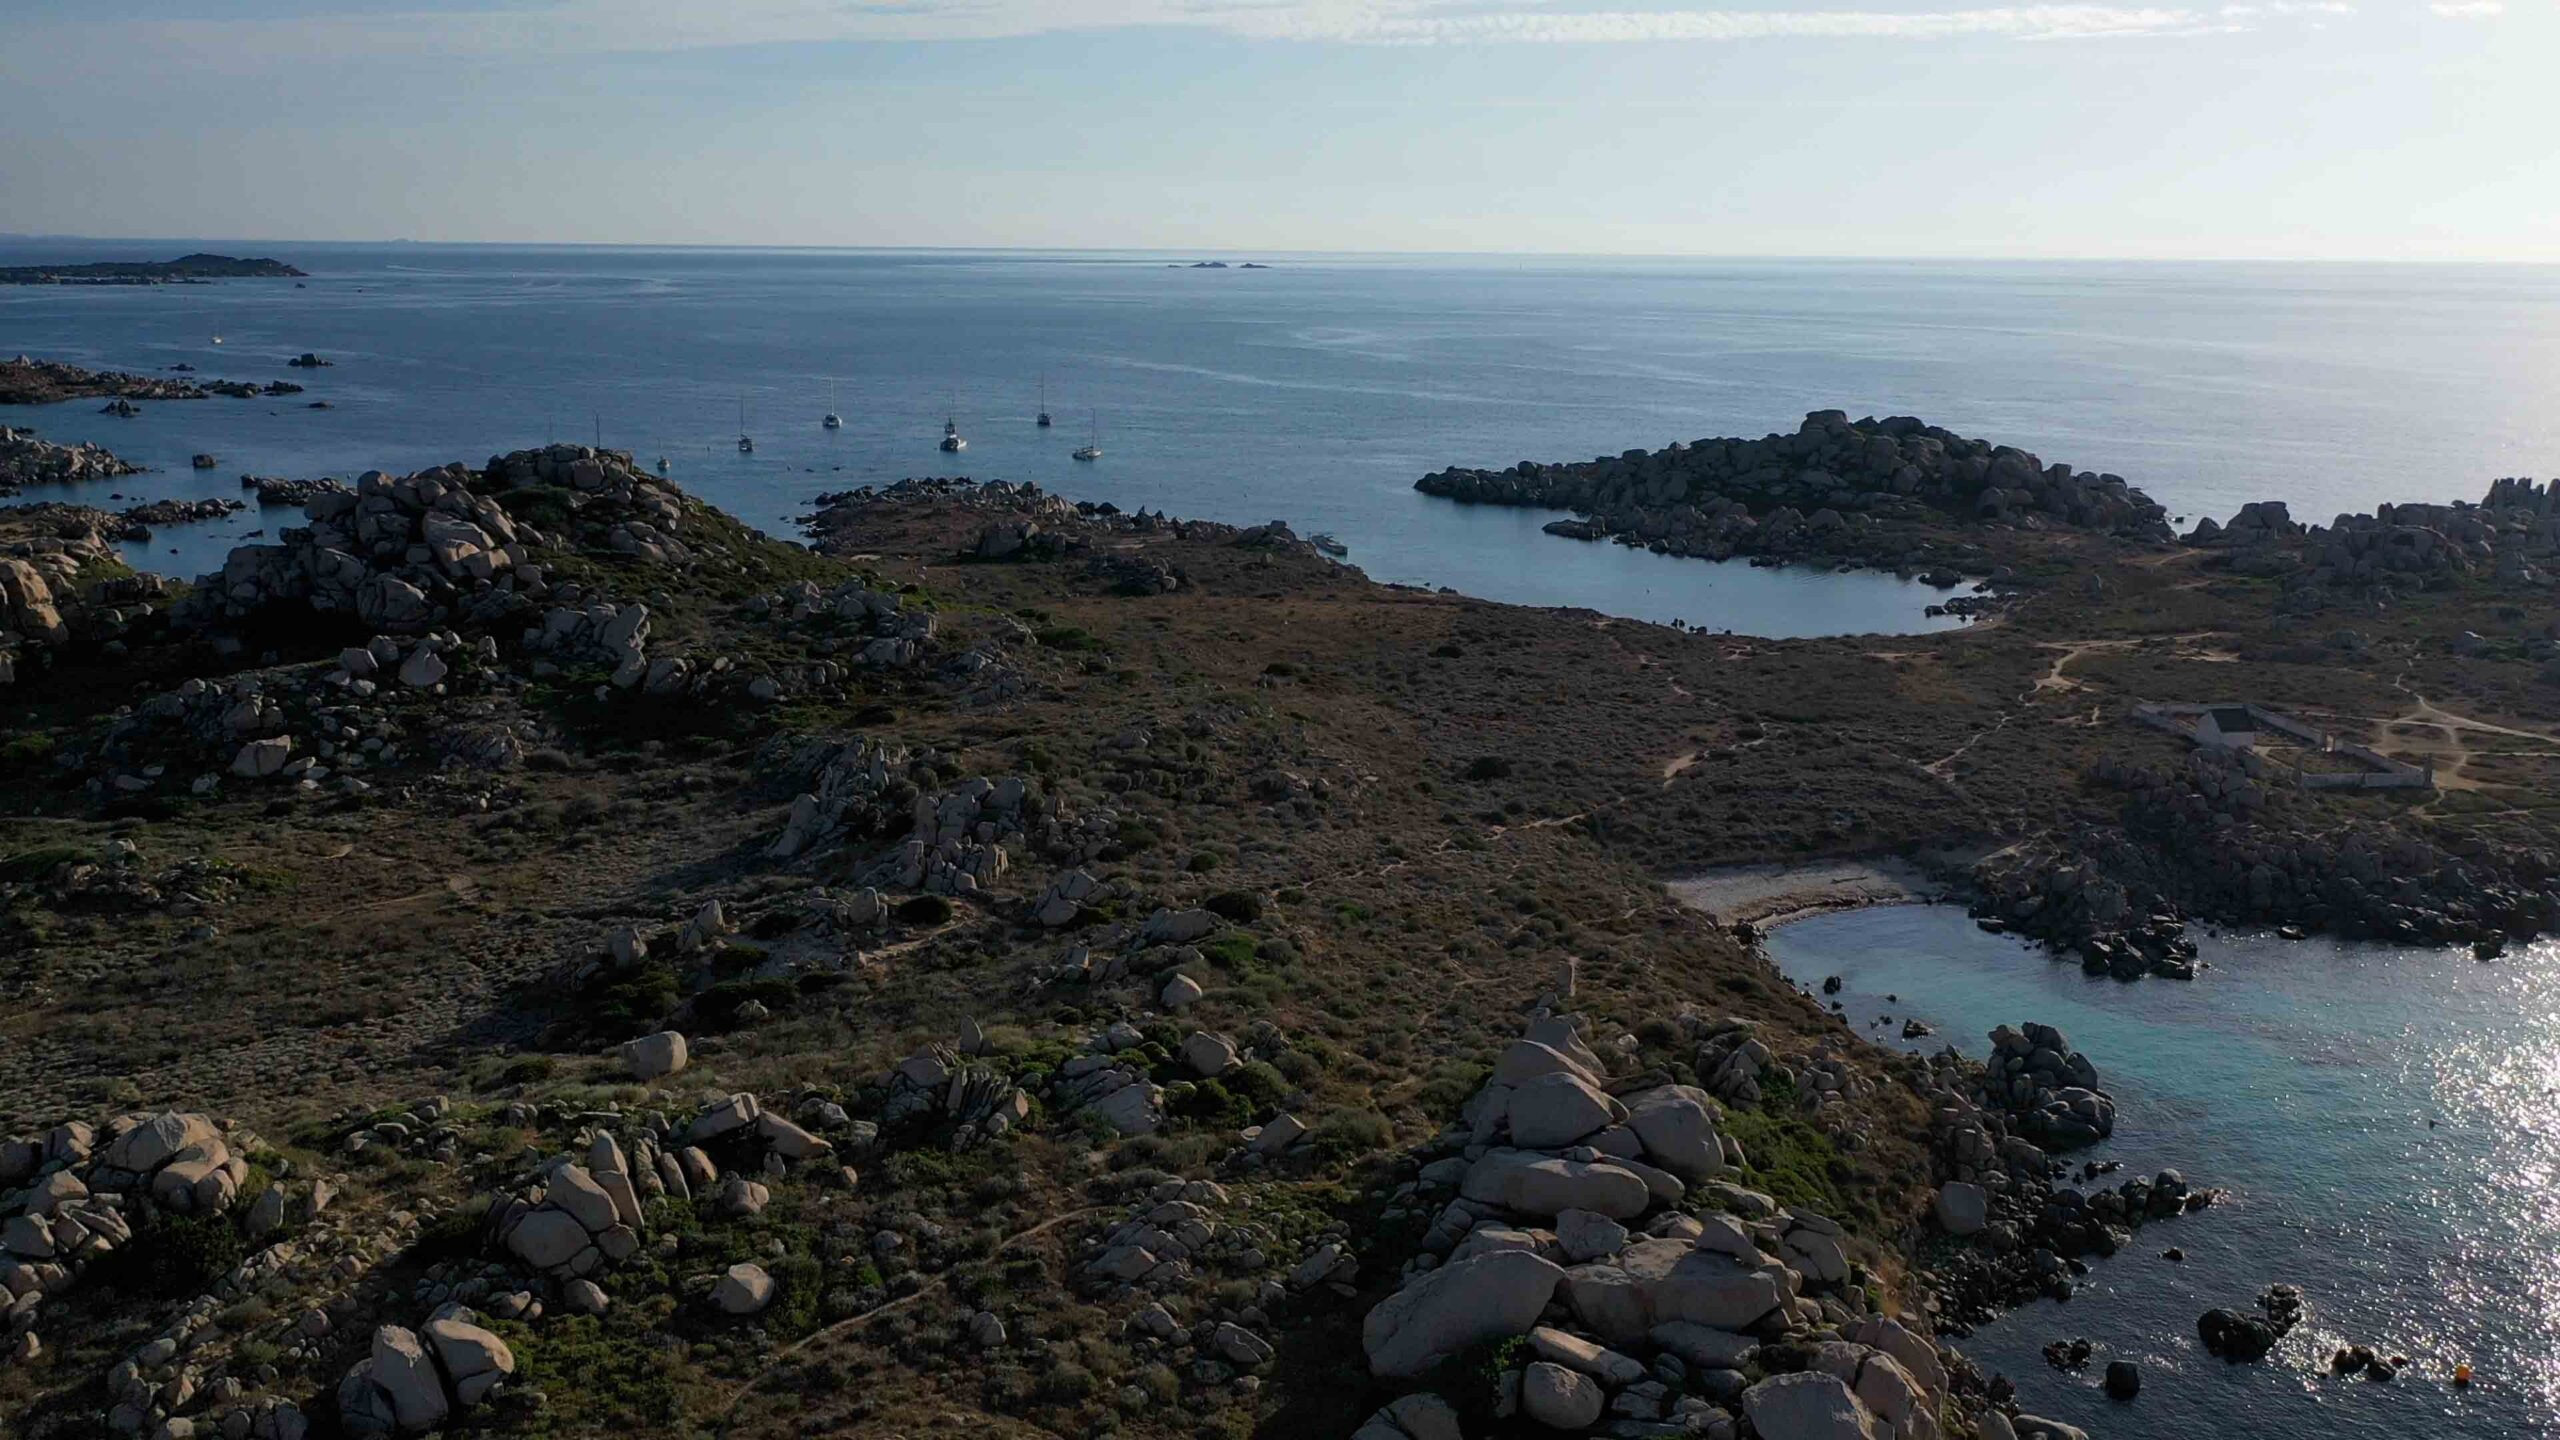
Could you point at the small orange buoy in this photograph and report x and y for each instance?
(2462, 1373)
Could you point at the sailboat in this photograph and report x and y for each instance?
(1043, 421)
(663, 466)
(1092, 449)
(833, 420)
(951, 441)
(746, 446)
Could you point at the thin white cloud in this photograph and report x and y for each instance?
(1416, 25)
(2288, 9)
(2469, 9)
(569, 27)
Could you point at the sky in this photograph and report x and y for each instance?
(2278, 129)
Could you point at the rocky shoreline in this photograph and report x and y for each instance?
(1075, 969)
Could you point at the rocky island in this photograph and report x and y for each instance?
(46, 382)
(26, 460)
(1897, 493)
(196, 269)
(524, 953)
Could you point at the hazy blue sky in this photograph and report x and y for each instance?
(2291, 128)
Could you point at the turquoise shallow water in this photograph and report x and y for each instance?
(1318, 391)
(2303, 1078)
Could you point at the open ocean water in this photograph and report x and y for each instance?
(1318, 390)
(2386, 1122)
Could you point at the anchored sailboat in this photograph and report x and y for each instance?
(1044, 402)
(833, 420)
(1092, 449)
(745, 445)
(951, 441)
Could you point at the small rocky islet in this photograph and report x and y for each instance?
(524, 953)
(46, 382)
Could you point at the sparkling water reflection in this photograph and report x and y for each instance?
(2386, 1121)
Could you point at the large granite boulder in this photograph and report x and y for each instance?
(1807, 1405)
(1549, 1112)
(1677, 1125)
(1660, 1280)
(1443, 1311)
(1535, 1184)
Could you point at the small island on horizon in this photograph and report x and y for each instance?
(194, 269)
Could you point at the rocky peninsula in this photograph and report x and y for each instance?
(524, 953)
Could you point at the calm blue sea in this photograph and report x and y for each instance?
(1318, 390)
(2387, 1122)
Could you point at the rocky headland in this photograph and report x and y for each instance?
(523, 953)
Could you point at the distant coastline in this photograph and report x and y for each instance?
(195, 269)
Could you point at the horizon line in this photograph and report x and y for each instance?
(1763, 257)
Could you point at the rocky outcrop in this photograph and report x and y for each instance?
(401, 555)
(1634, 1299)
(1994, 1125)
(412, 1382)
(26, 460)
(2511, 535)
(81, 1192)
(43, 382)
(2204, 839)
(957, 840)
(1880, 492)
(293, 493)
(2236, 1335)
(2050, 1089)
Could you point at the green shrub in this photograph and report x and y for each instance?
(173, 1257)
(544, 507)
(1233, 949)
(717, 1007)
(33, 865)
(1788, 1156)
(1258, 1084)
(36, 747)
(629, 1003)
(1348, 1134)
(925, 910)
(455, 1234)
(1240, 906)
(528, 1070)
